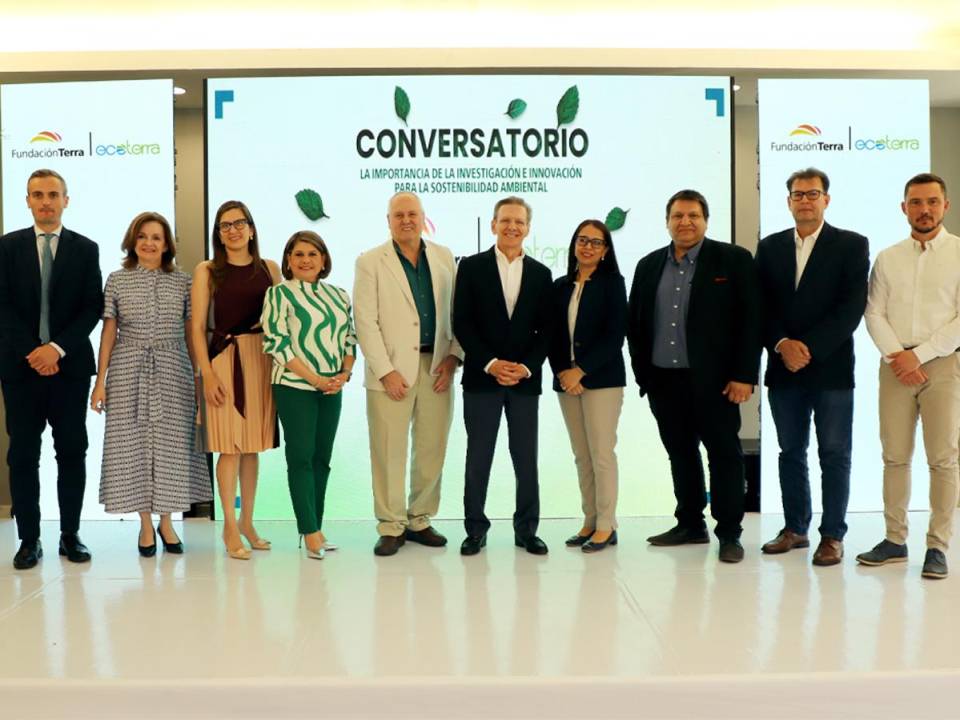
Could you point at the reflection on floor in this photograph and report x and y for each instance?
(630, 614)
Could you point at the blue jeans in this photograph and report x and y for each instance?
(832, 412)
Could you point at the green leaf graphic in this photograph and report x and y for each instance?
(401, 103)
(515, 108)
(616, 219)
(311, 204)
(568, 106)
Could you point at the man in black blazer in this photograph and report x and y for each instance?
(50, 301)
(694, 336)
(501, 316)
(814, 281)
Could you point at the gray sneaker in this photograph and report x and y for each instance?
(883, 553)
(934, 564)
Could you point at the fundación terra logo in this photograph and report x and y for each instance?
(806, 137)
(806, 129)
(49, 144)
(46, 136)
(46, 144)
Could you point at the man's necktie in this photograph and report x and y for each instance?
(46, 270)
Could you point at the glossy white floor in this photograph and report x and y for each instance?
(633, 631)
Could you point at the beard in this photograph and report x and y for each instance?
(926, 226)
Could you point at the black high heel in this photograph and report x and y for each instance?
(577, 540)
(147, 551)
(591, 547)
(172, 548)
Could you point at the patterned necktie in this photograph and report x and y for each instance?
(46, 270)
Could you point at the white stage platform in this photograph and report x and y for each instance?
(634, 631)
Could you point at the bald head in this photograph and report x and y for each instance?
(404, 194)
(405, 218)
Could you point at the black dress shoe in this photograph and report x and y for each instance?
(388, 545)
(428, 536)
(731, 551)
(591, 547)
(576, 540)
(147, 551)
(28, 555)
(679, 535)
(73, 548)
(472, 544)
(532, 544)
(173, 548)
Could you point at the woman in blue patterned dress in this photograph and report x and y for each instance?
(308, 330)
(145, 385)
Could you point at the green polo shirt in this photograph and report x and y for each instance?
(421, 285)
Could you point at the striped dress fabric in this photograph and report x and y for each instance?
(149, 462)
(309, 321)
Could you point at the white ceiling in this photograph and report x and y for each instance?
(192, 39)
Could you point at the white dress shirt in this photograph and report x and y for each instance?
(511, 275)
(914, 297)
(804, 248)
(54, 244)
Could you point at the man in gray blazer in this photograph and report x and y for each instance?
(402, 300)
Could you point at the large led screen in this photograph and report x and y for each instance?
(113, 144)
(326, 153)
(870, 137)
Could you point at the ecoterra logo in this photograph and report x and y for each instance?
(806, 137)
(50, 144)
(125, 148)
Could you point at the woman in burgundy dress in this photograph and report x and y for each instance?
(237, 414)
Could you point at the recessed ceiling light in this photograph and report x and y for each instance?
(177, 90)
(735, 87)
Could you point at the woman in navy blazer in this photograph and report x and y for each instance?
(586, 355)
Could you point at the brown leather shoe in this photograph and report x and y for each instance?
(829, 552)
(388, 545)
(428, 536)
(784, 541)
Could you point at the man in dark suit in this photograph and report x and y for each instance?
(50, 301)
(814, 282)
(501, 316)
(694, 336)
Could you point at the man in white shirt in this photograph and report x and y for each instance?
(913, 316)
(401, 303)
(501, 316)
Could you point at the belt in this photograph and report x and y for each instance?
(149, 404)
(426, 348)
(219, 342)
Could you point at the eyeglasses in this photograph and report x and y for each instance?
(595, 243)
(809, 194)
(236, 224)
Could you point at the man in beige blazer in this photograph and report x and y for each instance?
(402, 298)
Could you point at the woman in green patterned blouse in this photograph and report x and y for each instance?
(308, 330)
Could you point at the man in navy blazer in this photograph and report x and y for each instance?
(814, 281)
(501, 316)
(50, 301)
(693, 327)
